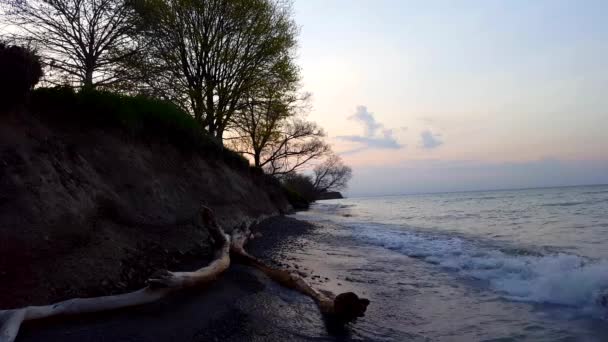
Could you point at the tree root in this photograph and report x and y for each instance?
(343, 308)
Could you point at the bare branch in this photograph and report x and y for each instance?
(82, 42)
(331, 175)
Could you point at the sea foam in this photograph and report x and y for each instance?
(559, 278)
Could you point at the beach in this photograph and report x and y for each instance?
(426, 280)
(243, 305)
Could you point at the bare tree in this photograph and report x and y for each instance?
(270, 127)
(331, 175)
(265, 111)
(82, 42)
(210, 54)
(280, 145)
(297, 144)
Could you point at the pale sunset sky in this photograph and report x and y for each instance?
(425, 96)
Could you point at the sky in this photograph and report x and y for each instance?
(431, 96)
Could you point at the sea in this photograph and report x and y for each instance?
(508, 265)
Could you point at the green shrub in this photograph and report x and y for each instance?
(20, 71)
(297, 201)
(299, 190)
(137, 115)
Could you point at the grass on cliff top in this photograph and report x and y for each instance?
(137, 115)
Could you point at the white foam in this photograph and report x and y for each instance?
(564, 279)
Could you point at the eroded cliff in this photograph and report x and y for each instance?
(87, 211)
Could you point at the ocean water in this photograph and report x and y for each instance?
(512, 265)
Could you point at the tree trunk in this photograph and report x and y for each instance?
(88, 79)
(257, 158)
(219, 136)
(197, 108)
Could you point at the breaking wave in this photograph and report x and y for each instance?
(559, 278)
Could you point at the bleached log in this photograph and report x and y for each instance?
(159, 286)
(344, 307)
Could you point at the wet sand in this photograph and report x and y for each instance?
(243, 305)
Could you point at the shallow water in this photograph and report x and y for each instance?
(478, 266)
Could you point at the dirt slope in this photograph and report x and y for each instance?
(88, 212)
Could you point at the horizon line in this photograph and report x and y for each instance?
(479, 190)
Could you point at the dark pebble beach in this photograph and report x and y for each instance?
(243, 305)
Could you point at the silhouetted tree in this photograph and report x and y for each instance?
(331, 175)
(295, 143)
(20, 71)
(209, 55)
(270, 127)
(278, 142)
(83, 42)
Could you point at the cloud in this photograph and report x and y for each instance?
(375, 135)
(429, 141)
(385, 142)
(368, 120)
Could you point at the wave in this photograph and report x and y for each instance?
(339, 209)
(596, 192)
(563, 204)
(569, 204)
(559, 278)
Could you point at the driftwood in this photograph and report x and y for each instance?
(344, 307)
(160, 285)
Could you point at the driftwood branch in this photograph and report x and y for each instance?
(159, 286)
(345, 307)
